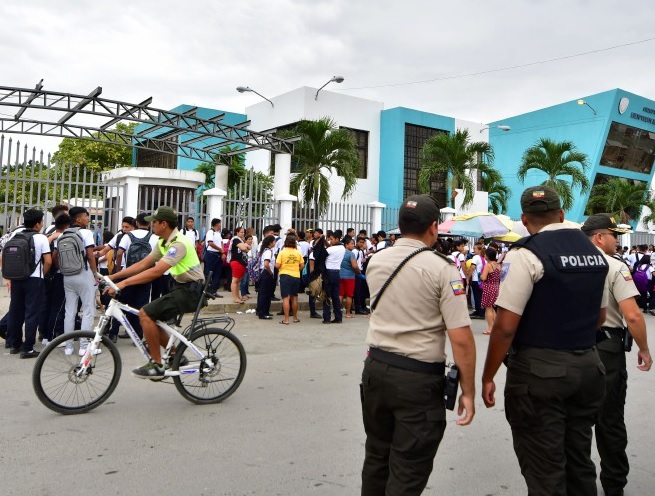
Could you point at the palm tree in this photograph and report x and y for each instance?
(455, 156)
(649, 203)
(498, 191)
(322, 150)
(618, 196)
(557, 159)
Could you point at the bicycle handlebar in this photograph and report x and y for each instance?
(108, 281)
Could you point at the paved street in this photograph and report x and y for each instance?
(293, 428)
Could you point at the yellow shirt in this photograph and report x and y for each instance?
(290, 261)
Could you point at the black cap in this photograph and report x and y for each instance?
(540, 199)
(597, 222)
(419, 209)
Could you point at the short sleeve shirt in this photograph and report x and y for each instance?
(621, 287)
(267, 254)
(176, 251)
(41, 247)
(289, 260)
(214, 236)
(346, 271)
(425, 299)
(138, 234)
(521, 270)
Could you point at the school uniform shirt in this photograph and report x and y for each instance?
(192, 234)
(214, 236)
(304, 248)
(267, 255)
(459, 259)
(138, 234)
(360, 256)
(479, 265)
(41, 247)
(335, 255)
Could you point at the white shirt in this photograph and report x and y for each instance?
(459, 259)
(359, 257)
(304, 248)
(267, 255)
(41, 247)
(138, 234)
(214, 236)
(477, 261)
(335, 255)
(192, 234)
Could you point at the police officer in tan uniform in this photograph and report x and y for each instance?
(622, 309)
(552, 300)
(403, 379)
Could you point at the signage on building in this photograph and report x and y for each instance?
(649, 119)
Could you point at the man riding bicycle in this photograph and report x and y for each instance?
(175, 253)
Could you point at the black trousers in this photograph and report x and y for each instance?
(213, 263)
(552, 400)
(27, 297)
(266, 286)
(404, 419)
(611, 434)
(332, 280)
(54, 308)
(361, 293)
(477, 297)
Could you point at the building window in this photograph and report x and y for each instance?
(629, 148)
(415, 138)
(632, 211)
(361, 146)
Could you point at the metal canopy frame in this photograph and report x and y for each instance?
(170, 125)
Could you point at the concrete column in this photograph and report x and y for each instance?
(215, 197)
(131, 200)
(447, 213)
(376, 216)
(286, 210)
(282, 174)
(220, 177)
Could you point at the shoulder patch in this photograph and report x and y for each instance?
(625, 273)
(172, 251)
(458, 287)
(504, 271)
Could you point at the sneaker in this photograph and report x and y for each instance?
(45, 341)
(148, 371)
(315, 316)
(14, 351)
(68, 351)
(29, 354)
(82, 351)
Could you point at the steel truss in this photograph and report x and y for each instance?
(162, 133)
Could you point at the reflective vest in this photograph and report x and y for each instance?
(189, 261)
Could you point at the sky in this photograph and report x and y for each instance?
(440, 57)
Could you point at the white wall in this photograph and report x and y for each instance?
(345, 110)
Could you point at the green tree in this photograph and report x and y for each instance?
(555, 159)
(649, 203)
(620, 197)
(96, 155)
(458, 158)
(323, 149)
(499, 193)
(236, 167)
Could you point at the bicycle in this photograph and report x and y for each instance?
(207, 366)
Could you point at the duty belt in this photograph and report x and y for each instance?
(406, 363)
(607, 332)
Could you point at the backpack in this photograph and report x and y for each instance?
(254, 268)
(72, 254)
(138, 249)
(18, 256)
(640, 278)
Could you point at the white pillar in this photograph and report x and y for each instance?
(215, 197)
(286, 210)
(220, 177)
(282, 174)
(376, 216)
(131, 200)
(447, 213)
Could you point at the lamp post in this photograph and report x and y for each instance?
(335, 79)
(583, 102)
(244, 89)
(501, 127)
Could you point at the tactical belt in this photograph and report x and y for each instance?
(607, 332)
(406, 363)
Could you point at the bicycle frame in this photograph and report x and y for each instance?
(117, 310)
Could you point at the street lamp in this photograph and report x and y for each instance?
(582, 102)
(244, 89)
(502, 128)
(335, 79)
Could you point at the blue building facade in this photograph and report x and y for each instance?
(615, 129)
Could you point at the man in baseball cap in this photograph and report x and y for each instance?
(540, 199)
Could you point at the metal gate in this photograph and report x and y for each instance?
(250, 203)
(35, 181)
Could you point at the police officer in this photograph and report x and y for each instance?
(611, 435)
(402, 386)
(552, 300)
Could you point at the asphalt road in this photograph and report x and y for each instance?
(293, 428)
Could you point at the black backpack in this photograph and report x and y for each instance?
(18, 256)
(138, 249)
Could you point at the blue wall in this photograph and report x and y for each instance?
(567, 121)
(184, 163)
(392, 148)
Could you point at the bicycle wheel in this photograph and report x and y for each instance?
(56, 381)
(218, 374)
